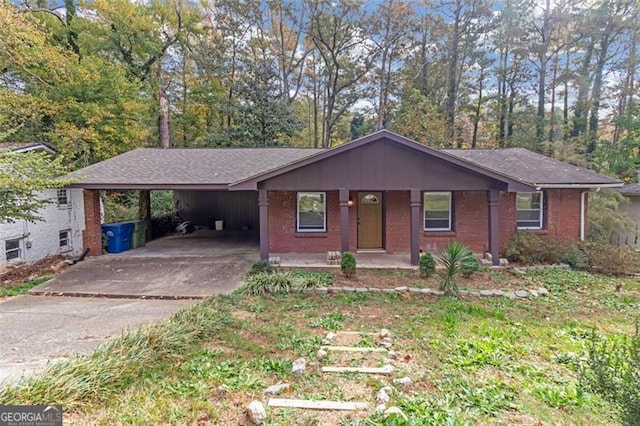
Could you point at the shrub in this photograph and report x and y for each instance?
(452, 258)
(262, 266)
(469, 266)
(348, 264)
(608, 258)
(427, 265)
(316, 279)
(528, 248)
(612, 370)
(280, 282)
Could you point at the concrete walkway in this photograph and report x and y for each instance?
(364, 260)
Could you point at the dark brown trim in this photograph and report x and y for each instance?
(415, 204)
(494, 225)
(263, 207)
(343, 200)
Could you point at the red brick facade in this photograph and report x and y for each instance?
(92, 235)
(470, 223)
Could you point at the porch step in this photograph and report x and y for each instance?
(317, 405)
(387, 369)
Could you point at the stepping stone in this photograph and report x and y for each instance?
(353, 349)
(317, 405)
(357, 333)
(387, 369)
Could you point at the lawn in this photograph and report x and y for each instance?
(472, 360)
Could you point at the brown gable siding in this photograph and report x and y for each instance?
(381, 165)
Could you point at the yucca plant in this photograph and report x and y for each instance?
(452, 258)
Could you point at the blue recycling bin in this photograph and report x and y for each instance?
(118, 236)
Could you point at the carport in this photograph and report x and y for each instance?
(199, 179)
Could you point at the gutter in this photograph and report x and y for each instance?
(582, 215)
(576, 185)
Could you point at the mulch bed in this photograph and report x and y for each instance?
(19, 274)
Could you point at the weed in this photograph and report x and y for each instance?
(262, 266)
(300, 344)
(317, 279)
(7, 291)
(330, 321)
(278, 282)
(269, 365)
(561, 396)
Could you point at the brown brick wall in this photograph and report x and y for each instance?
(470, 224)
(92, 234)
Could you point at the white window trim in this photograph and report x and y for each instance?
(424, 210)
(20, 250)
(68, 245)
(68, 203)
(541, 212)
(324, 222)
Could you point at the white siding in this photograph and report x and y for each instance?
(41, 239)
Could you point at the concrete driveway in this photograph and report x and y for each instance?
(123, 291)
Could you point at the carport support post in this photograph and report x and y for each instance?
(263, 207)
(415, 226)
(494, 227)
(344, 219)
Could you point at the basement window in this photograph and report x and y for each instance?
(12, 249)
(65, 238)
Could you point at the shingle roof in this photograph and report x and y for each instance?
(532, 168)
(187, 166)
(630, 189)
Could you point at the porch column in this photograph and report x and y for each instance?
(263, 207)
(415, 226)
(92, 234)
(494, 230)
(344, 219)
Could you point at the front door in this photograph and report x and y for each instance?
(370, 220)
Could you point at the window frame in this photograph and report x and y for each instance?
(67, 238)
(540, 214)
(424, 211)
(301, 194)
(17, 250)
(65, 198)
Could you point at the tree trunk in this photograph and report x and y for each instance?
(596, 93)
(144, 210)
(476, 118)
(581, 107)
(452, 77)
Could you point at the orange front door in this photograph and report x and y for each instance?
(370, 220)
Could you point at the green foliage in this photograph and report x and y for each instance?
(609, 259)
(16, 290)
(318, 279)
(348, 264)
(260, 283)
(427, 265)
(162, 203)
(330, 321)
(561, 396)
(23, 177)
(469, 266)
(606, 222)
(452, 258)
(612, 370)
(262, 266)
(528, 248)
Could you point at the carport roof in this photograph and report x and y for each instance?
(184, 168)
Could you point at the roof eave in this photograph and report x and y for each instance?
(577, 185)
(151, 187)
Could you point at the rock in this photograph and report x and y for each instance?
(522, 293)
(486, 293)
(387, 361)
(374, 290)
(437, 292)
(396, 412)
(382, 397)
(518, 272)
(387, 389)
(463, 291)
(388, 290)
(335, 289)
(322, 290)
(256, 413)
(321, 354)
(503, 262)
(276, 389)
(386, 343)
(401, 289)
(509, 295)
(488, 256)
(485, 262)
(474, 293)
(348, 289)
(380, 408)
(498, 293)
(415, 290)
(330, 335)
(392, 355)
(384, 333)
(299, 366)
(361, 289)
(403, 381)
(533, 293)
(426, 291)
(543, 291)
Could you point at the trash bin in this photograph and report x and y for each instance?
(139, 238)
(118, 236)
(219, 225)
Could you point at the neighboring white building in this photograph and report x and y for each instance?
(60, 231)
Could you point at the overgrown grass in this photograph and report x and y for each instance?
(114, 366)
(472, 361)
(16, 290)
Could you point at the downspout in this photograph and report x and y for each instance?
(582, 215)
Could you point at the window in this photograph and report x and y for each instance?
(529, 210)
(437, 211)
(63, 197)
(12, 249)
(65, 238)
(312, 212)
